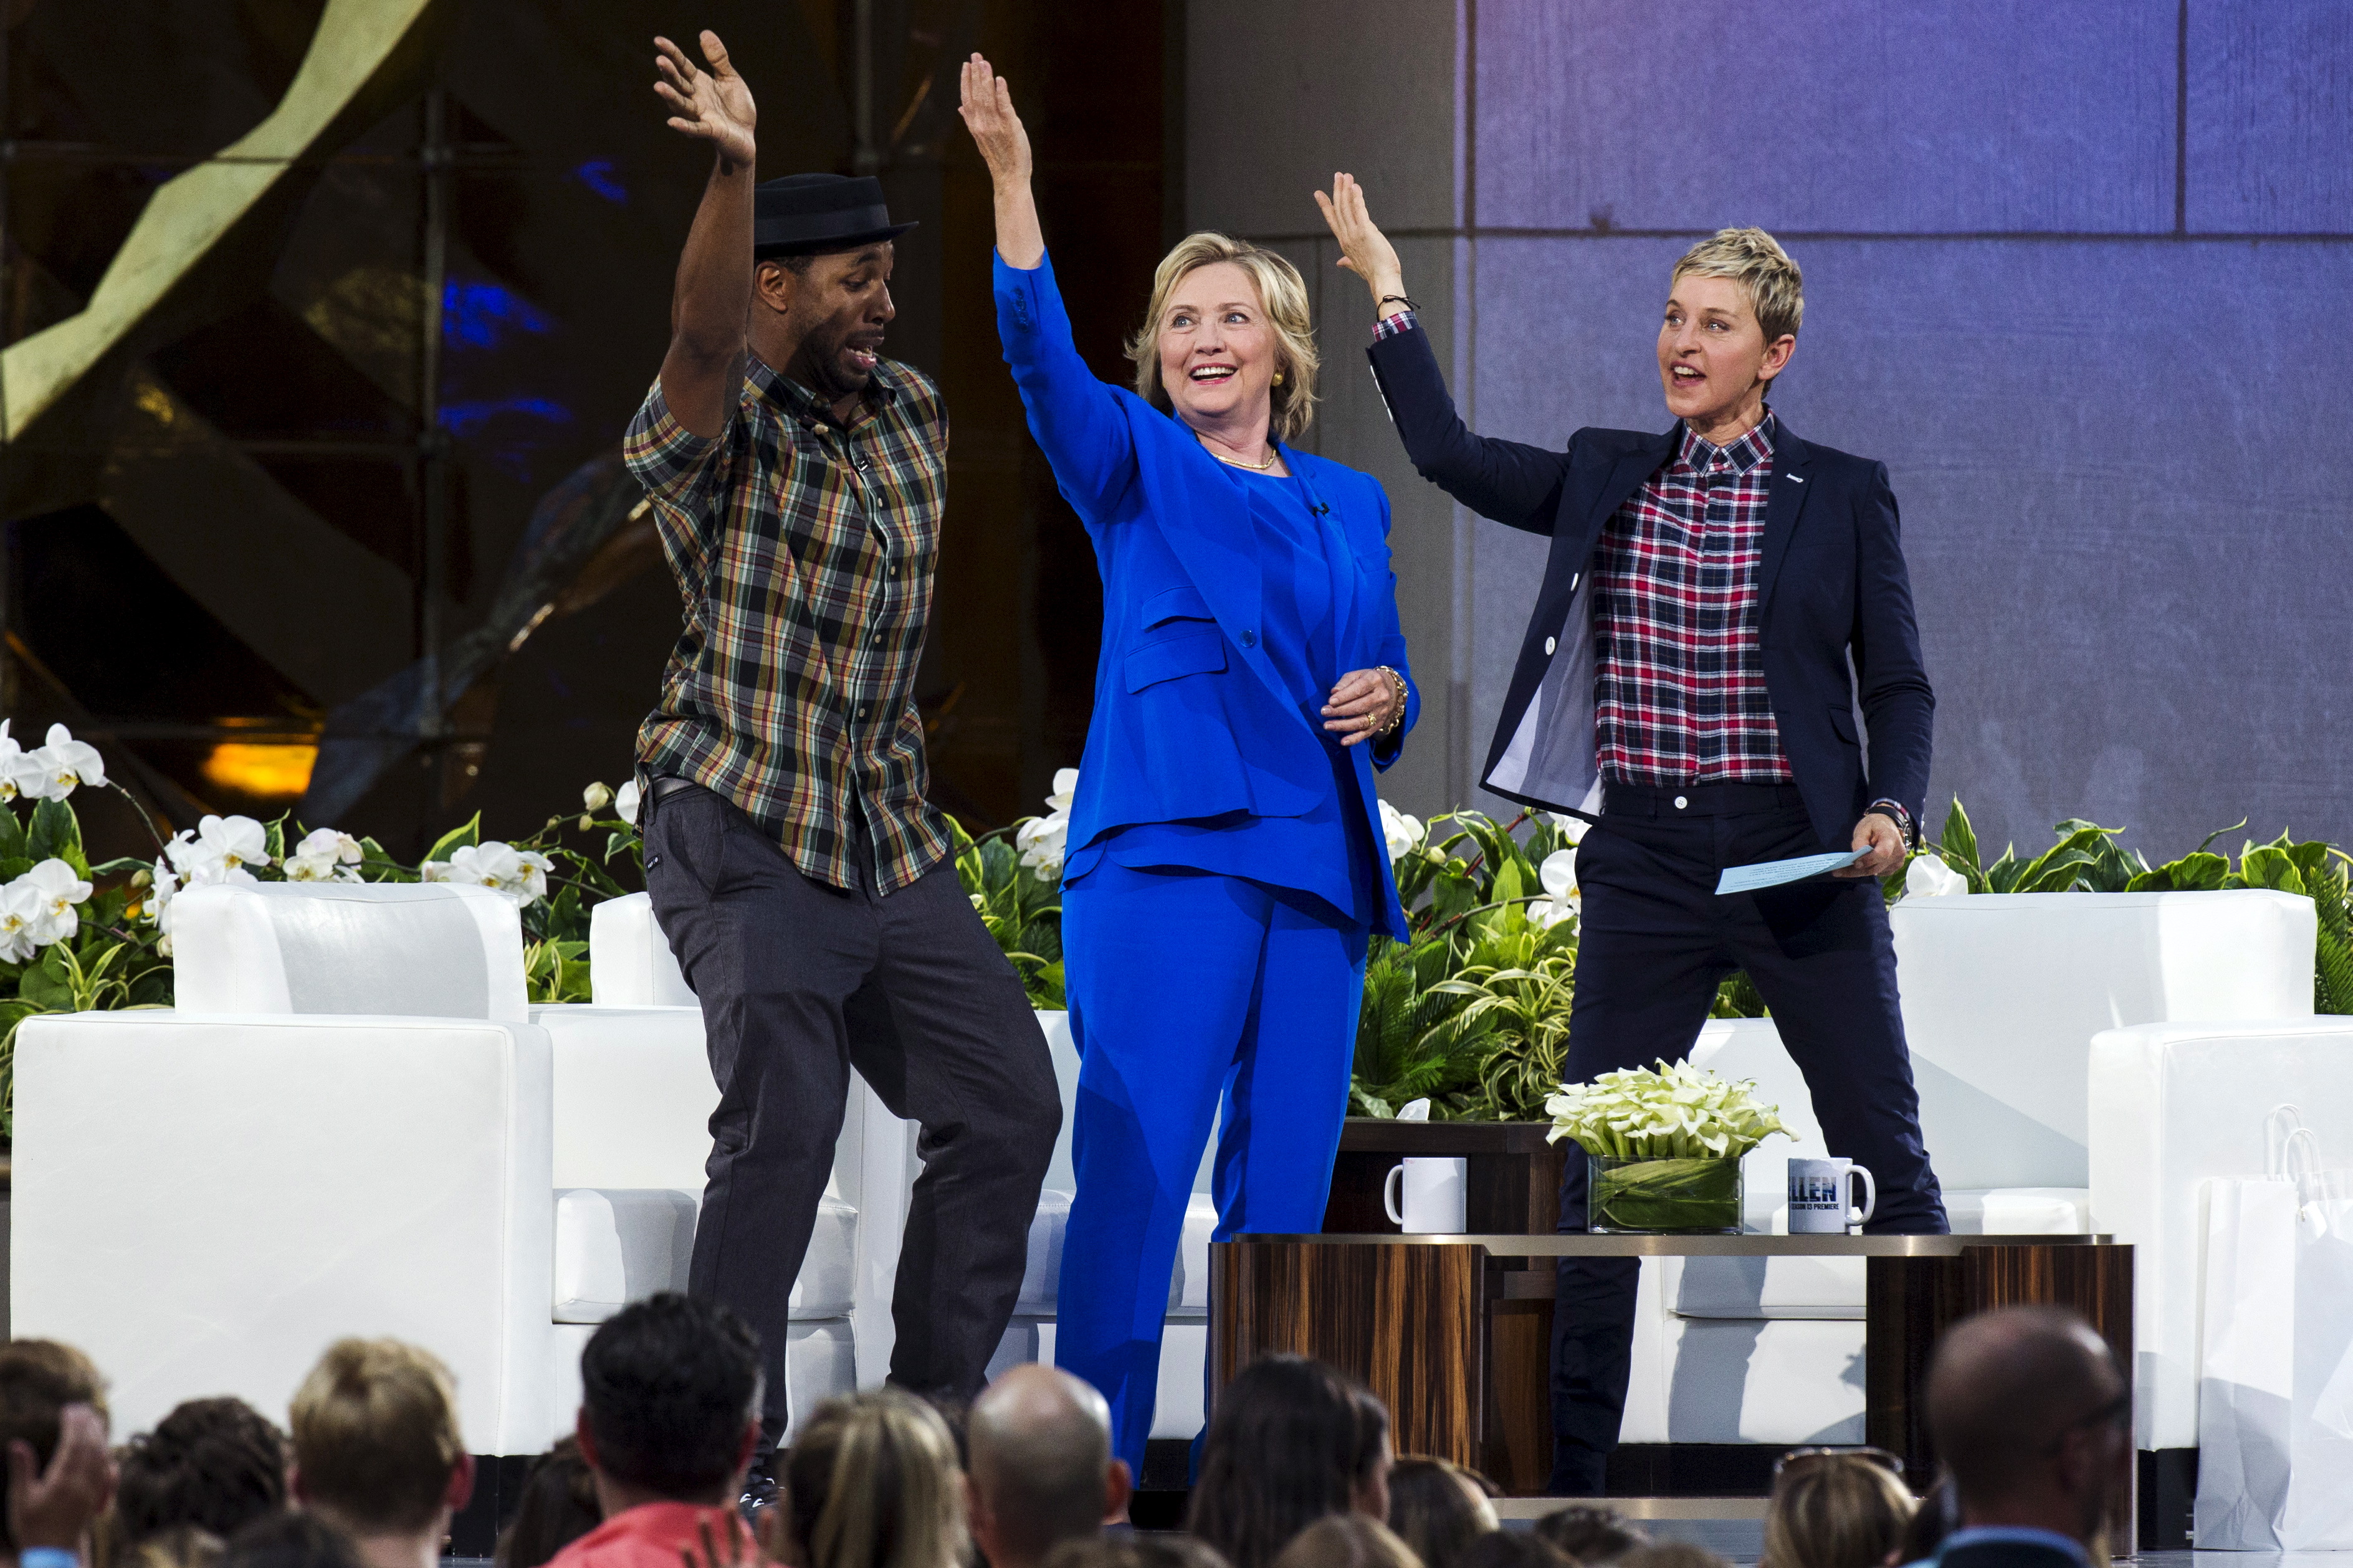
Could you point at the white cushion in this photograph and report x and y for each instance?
(629, 962)
(615, 1247)
(436, 950)
(634, 1096)
(1739, 1381)
(205, 1205)
(2020, 1211)
(2002, 994)
(2174, 1106)
(1041, 1278)
(1189, 1285)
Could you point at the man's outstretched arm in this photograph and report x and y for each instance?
(702, 373)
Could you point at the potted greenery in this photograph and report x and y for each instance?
(1662, 1146)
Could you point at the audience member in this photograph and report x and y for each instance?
(669, 1409)
(1835, 1509)
(290, 1541)
(212, 1465)
(1513, 1549)
(1592, 1536)
(1346, 1540)
(2032, 1421)
(1437, 1508)
(1293, 1441)
(1131, 1550)
(1671, 1554)
(41, 1383)
(1931, 1522)
(870, 1482)
(377, 1453)
(557, 1508)
(1039, 1469)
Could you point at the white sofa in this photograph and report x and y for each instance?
(353, 1124)
(2003, 997)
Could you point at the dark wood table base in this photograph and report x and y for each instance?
(1453, 1333)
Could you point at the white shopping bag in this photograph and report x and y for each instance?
(2275, 1383)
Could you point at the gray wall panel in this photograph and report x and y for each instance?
(2271, 117)
(1850, 116)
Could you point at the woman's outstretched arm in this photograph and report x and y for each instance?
(1506, 480)
(1077, 420)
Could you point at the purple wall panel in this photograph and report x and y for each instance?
(2128, 546)
(2271, 117)
(1829, 116)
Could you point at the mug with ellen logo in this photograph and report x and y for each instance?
(1819, 1195)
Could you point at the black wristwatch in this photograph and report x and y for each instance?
(1902, 818)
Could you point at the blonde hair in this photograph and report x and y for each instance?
(1280, 290)
(1840, 1510)
(1755, 261)
(376, 1435)
(872, 1482)
(1346, 1540)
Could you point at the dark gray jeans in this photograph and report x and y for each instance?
(799, 983)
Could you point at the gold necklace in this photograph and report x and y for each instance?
(1234, 462)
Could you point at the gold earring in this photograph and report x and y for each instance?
(1278, 378)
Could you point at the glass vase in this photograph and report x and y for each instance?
(1662, 1197)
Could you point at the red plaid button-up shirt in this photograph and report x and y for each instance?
(1679, 683)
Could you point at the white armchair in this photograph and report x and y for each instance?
(2002, 995)
(353, 1124)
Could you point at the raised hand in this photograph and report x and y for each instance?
(987, 111)
(714, 105)
(1365, 249)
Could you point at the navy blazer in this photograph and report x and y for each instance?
(1191, 720)
(1830, 585)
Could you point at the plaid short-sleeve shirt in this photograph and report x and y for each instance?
(803, 551)
(1679, 680)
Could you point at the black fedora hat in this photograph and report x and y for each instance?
(809, 215)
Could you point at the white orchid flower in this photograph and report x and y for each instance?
(535, 868)
(158, 901)
(1572, 828)
(434, 871)
(1929, 877)
(25, 775)
(70, 762)
(1401, 832)
(59, 889)
(519, 876)
(325, 856)
(625, 803)
(222, 849)
(1558, 874)
(9, 752)
(1042, 841)
(595, 798)
(1066, 785)
(20, 916)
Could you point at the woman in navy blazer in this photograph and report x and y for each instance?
(1227, 865)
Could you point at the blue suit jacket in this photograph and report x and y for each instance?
(1831, 582)
(1191, 720)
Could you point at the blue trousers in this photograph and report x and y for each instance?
(1655, 941)
(1191, 993)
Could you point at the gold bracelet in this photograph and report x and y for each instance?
(1398, 681)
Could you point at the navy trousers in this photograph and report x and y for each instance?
(1191, 994)
(1655, 940)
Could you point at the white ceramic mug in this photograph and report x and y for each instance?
(1819, 1196)
(1433, 1192)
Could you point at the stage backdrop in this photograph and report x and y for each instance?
(2075, 269)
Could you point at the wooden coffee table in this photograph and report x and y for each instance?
(1443, 1327)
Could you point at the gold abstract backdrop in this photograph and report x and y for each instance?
(323, 321)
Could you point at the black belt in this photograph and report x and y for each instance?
(665, 786)
(1695, 800)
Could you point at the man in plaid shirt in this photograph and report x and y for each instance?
(1722, 669)
(796, 867)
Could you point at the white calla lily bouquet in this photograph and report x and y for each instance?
(1665, 1144)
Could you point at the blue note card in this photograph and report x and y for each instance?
(1773, 873)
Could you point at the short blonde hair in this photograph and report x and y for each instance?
(1346, 1540)
(376, 1435)
(1840, 1510)
(872, 1482)
(1280, 290)
(1755, 261)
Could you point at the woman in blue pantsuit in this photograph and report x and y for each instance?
(1226, 867)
